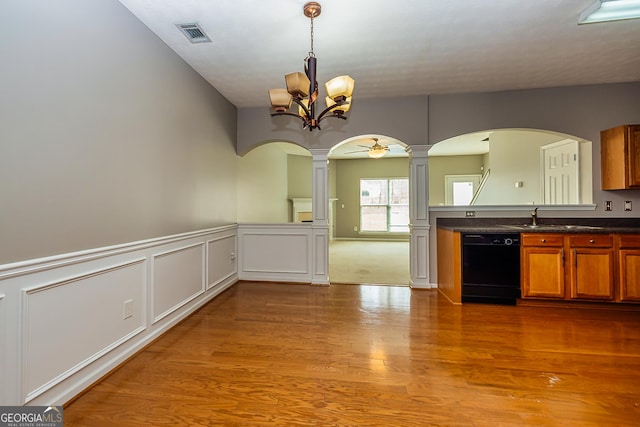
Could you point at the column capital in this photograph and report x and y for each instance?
(319, 154)
(418, 151)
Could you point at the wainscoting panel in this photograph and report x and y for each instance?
(178, 277)
(221, 255)
(86, 314)
(419, 257)
(69, 319)
(3, 345)
(278, 252)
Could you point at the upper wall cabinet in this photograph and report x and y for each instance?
(620, 157)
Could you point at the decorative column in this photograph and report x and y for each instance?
(320, 226)
(419, 216)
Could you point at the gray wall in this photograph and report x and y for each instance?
(348, 175)
(402, 118)
(106, 135)
(582, 111)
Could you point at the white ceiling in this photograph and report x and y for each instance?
(397, 48)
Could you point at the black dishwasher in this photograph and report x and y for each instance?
(491, 268)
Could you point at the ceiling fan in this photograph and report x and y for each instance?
(374, 151)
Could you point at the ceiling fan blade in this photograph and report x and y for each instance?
(359, 151)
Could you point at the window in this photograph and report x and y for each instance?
(384, 205)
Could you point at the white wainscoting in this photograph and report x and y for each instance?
(96, 298)
(275, 252)
(65, 318)
(419, 254)
(221, 258)
(184, 266)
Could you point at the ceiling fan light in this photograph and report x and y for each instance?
(298, 84)
(340, 108)
(377, 152)
(280, 100)
(340, 86)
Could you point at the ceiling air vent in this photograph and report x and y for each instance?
(194, 33)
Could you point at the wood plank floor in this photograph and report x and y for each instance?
(264, 354)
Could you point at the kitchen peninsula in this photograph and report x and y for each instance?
(561, 259)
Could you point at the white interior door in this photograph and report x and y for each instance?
(460, 189)
(560, 164)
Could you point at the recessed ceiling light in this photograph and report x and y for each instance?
(610, 10)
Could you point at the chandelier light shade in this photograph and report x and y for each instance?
(297, 84)
(302, 88)
(340, 86)
(280, 99)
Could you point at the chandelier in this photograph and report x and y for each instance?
(302, 88)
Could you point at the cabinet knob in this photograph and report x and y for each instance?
(543, 240)
(592, 241)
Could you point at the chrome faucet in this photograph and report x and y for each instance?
(534, 217)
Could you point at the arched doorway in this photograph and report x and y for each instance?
(312, 246)
(369, 205)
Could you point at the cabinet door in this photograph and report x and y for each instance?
(634, 156)
(620, 157)
(542, 272)
(592, 273)
(629, 274)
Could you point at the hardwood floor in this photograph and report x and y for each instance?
(266, 354)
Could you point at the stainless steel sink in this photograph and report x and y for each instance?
(553, 226)
(579, 227)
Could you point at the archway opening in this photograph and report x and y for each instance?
(511, 167)
(369, 206)
(271, 178)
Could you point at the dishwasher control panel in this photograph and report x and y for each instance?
(506, 239)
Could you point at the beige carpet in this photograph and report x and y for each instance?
(369, 262)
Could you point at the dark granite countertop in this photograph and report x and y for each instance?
(544, 225)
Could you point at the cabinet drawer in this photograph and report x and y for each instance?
(539, 239)
(630, 240)
(591, 241)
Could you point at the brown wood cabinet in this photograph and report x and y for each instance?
(629, 267)
(558, 266)
(542, 266)
(591, 267)
(568, 266)
(620, 157)
(449, 264)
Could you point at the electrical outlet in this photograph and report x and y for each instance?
(355, 228)
(470, 213)
(627, 205)
(607, 205)
(128, 309)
